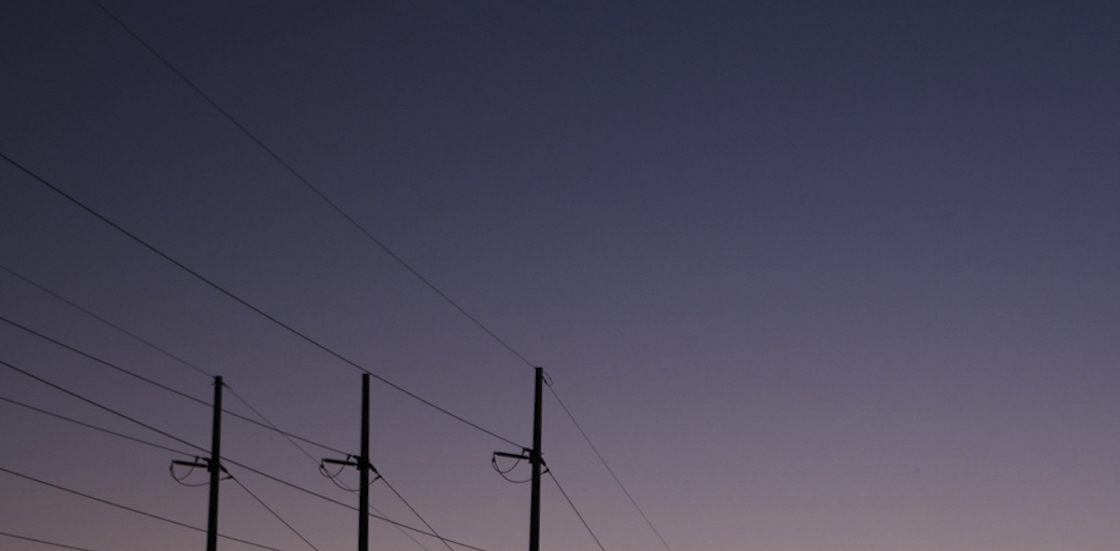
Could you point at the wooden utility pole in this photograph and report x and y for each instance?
(363, 471)
(363, 465)
(536, 461)
(215, 468)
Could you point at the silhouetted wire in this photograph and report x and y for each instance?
(378, 516)
(95, 427)
(45, 542)
(93, 315)
(274, 513)
(333, 477)
(608, 467)
(505, 472)
(576, 511)
(99, 406)
(267, 424)
(183, 479)
(258, 472)
(286, 436)
(131, 509)
(248, 305)
(348, 506)
(133, 374)
(415, 512)
(100, 361)
(333, 205)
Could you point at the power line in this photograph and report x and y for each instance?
(576, 511)
(159, 446)
(248, 305)
(369, 235)
(268, 425)
(224, 459)
(131, 509)
(288, 167)
(45, 542)
(291, 438)
(94, 427)
(99, 406)
(380, 244)
(130, 373)
(351, 507)
(274, 513)
(105, 321)
(608, 467)
(415, 512)
(100, 361)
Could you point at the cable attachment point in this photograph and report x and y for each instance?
(198, 463)
(350, 461)
(525, 455)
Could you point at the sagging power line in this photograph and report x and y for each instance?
(245, 303)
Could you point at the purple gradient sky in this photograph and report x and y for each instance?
(814, 276)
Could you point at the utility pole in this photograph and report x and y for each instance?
(363, 471)
(213, 465)
(364, 468)
(535, 460)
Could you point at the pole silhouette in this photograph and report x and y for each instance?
(215, 468)
(361, 462)
(535, 460)
(363, 471)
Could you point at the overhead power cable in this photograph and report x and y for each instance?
(417, 513)
(93, 315)
(135, 375)
(314, 189)
(274, 513)
(369, 235)
(575, 510)
(289, 437)
(608, 467)
(99, 360)
(99, 406)
(267, 422)
(162, 447)
(250, 306)
(45, 542)
(132, 509)
(225, 460)
(351, 507)
(94, 427)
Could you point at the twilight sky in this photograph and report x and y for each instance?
(813, 276)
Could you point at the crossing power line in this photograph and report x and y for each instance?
(249, 305)
(359, 227)
(116, 367)
(267, 424)
(130, 509)
(224, 459)
(44, 542)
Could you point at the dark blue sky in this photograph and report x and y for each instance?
(812, 275)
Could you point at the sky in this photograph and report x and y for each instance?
(811, 276)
